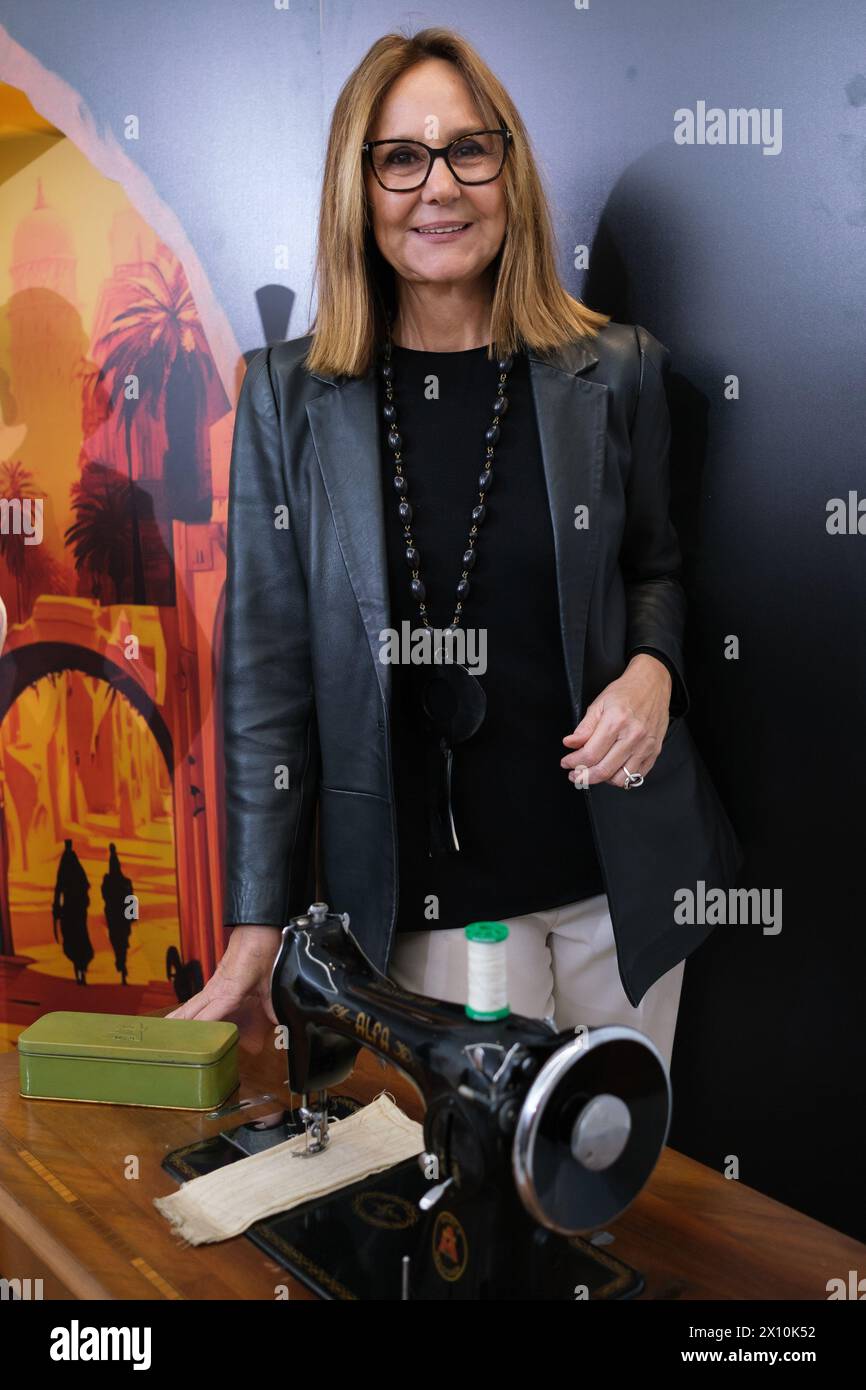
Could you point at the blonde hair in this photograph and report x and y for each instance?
(355, 284)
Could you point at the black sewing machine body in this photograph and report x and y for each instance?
(533, 1137)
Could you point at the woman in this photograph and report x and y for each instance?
(465, 454)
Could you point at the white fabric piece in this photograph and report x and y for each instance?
(226, 1202)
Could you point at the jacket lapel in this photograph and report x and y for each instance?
(571, 414)
(572, 425)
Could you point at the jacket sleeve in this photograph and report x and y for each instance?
(650, 556)
(271, 763)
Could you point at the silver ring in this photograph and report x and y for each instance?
(632, 779)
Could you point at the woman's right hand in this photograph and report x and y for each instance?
(239, 989)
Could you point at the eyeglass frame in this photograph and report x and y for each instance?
(441, 153)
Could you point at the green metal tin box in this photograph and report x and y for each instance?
(121, 1059)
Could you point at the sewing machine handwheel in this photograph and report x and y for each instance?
(591, 1129)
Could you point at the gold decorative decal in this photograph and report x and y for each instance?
(372, 1031)
(385, 1210)
(450, 1249)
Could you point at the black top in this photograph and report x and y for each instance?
(525, 839)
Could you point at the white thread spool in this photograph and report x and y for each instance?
(487, 974)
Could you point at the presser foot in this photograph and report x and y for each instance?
(315, 1122)
(269, 1130)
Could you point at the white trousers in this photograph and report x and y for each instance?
(561, 965)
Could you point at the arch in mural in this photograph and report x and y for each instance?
(23, 668)
(26, 665)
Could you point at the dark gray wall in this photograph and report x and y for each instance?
(741, 263)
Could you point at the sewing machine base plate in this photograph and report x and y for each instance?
(350, 1245)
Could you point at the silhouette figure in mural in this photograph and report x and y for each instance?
(71, 899)
(116, 888)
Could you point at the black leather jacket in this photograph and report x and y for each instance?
(306, 699)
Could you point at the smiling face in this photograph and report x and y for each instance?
(434, 89)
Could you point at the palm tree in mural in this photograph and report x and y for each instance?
(16, 484)
(158, 340)
(100, 534)
(95, 398)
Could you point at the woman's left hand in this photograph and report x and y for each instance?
(623, 727)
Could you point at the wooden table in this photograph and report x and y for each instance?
(70, 1215)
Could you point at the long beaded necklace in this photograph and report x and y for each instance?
(453, 699)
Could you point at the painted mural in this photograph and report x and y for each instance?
(115, 432)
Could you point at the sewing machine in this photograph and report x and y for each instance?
(533, 1137)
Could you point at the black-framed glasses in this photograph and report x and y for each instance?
(402, 166)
